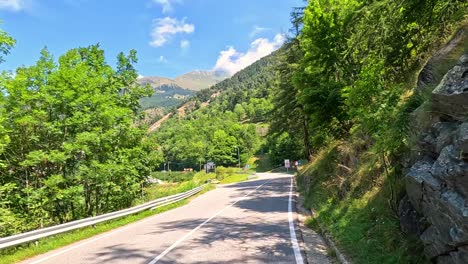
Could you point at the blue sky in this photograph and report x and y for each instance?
(171, 37)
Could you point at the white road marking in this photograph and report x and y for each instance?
(164, 253)
(109, 233)
(295, 245)
(90, 241)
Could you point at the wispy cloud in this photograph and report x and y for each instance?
(232, 61)
(12, 5)
(164, 28)
(162, 59)
(257, 30)
(184, 44)
(167, 5)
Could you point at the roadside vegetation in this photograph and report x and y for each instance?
(69, 147)
(26, 251)
(180, 182)
(349, 78)
(339, 94)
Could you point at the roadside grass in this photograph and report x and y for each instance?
(350, 193)
(156, 191)
(13, 255)
(235, 178)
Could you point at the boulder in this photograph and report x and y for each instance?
(411, 221)
(444, 132)
(462, 140)
(419, 173)
(450, 97)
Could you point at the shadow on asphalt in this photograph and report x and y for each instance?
(273, 247)
(261, 238)
(118, 252)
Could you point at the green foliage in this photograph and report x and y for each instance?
(14, 255)
(225, 129)
(202, 177)
(223, 172)
(349, 74)
(282, 147)
(350, 202)
(173, 176)
(235, 178)
(166, 97)
(70, 146)
(6, 43)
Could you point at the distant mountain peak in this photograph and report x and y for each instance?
(169, 92)
(195, 80)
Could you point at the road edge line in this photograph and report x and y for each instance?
(182, 239)
(292, 231)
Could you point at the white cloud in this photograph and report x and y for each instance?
(164, 28)
(162, 59)
(257, 30)
(140, 76)
(167, 5)
(232, 61)
(184, 44)
(13, 5)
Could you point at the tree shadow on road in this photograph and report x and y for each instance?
(261, 235)
(230, 240)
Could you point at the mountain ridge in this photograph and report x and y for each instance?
(194, 80)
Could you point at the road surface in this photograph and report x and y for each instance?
(247, 222)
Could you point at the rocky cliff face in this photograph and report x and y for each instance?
(436, 207)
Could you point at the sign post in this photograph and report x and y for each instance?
(287, 164)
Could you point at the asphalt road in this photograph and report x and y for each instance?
(248, 222)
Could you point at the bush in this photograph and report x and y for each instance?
(223, 172)
(173, 176)
(202, 177)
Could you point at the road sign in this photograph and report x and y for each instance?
(287, 164)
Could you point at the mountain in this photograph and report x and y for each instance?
(224, 123)
(198, 80)
(172, 92)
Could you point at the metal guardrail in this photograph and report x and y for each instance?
(57, 229)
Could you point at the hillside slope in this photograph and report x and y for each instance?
(221, 121)
(169, 93)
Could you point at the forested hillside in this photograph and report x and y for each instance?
(169, 93)
(341, 93)
(226, 119)
(350, 81)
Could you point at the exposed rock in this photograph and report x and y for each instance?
(438, 190)
(444, 133)
(460, 256)
(419, 173)
(410, 220)
(463, 139)
(450, 97)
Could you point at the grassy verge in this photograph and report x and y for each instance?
(350, 193)
(50, 243)
(156, 191)
(235, 178)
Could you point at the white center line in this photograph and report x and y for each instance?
(164, 253)
(295, 245)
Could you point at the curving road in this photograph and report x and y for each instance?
(248, 222)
